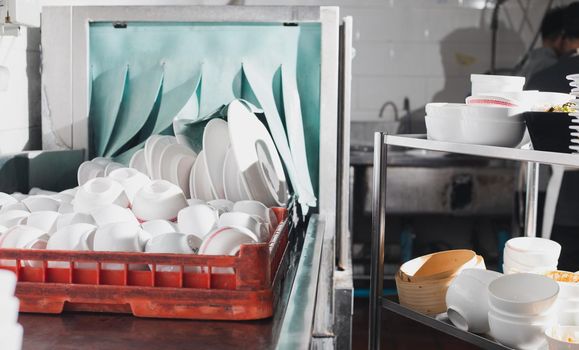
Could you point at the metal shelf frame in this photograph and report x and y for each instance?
(381, 142)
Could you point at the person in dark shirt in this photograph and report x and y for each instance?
(552, 44)
(553, 79)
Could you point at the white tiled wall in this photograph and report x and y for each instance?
(420, 49)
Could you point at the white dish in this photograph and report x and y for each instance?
(176, 164)
(523, 294)
(120, 237)
(558, 337)
(215, 146)
(79, 237)
(533, 250)
(221, 205)
(73, 218)
(112, 166)
(256, 156)
(172, 243)
(467, 300)
(23, 237)
(154, 147)
(201, 181)
(531, 100)
(234, 187)
(132, 180)
(6, 199)
(11, 218)
(242, 220)
(159, 227)
(112, 213)
(138, 162)
(225, 241)
(478, 112)
(16, 206)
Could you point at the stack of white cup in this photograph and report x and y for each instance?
(10, 331)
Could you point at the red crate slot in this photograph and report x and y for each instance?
(189, 291)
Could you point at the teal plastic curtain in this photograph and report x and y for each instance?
(151, 78)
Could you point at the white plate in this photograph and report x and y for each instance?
(256, 156)
(215, 146)
(201, 182)
(233, 184)
(153, 154)
(175, 165)
(138, 161)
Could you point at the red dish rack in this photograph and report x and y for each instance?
(249, 292)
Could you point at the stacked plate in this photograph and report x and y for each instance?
(574, 78)
(422, 282)
(10, 331)
(238, 161)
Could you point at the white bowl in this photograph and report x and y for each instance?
(467, 300)
(73, 218)
(199, 220)
(533, 251)
(6, 199)
(121, 237)
(132, 180)
(44, 220)
(482, 112)
(221, 205)
(517, 335)
(529, 100)
(475, 131)
(75, 237)
(225, 241)
(243, 220)
(173, 243)
(113, 213)
(563, 337)
(13, 217)
(510, 267)
(90, 170)
(159, 200)
(99, 192)
(159, 227)
(528, 261)
(482, 83)
(523, 293)
(41, 203)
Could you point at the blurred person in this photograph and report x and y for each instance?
(552, 44)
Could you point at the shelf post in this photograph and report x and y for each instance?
(532, 199)
(378, 231)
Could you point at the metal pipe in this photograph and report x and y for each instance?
(378, 228)
(532, 199)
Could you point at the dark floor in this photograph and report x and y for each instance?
(399, 333)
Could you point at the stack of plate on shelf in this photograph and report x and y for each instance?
(574, 78)
(422, 282)
(10, 331)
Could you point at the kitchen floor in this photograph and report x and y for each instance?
(399, 333)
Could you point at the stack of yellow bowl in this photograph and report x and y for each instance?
(422, 282)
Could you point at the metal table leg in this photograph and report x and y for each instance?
(532, 199)
(378, 227)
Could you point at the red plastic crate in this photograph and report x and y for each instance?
(248, 293)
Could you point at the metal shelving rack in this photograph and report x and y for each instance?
(381, 142)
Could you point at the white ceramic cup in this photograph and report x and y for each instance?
(7, 283)
(79, 237)
(467, 300)
(259, 210)
(41, 203)
(99, 192)
(120, 237)
(244, 220)
(533, 251)
(159, 199)
(131, 179)
(112, 213)
(43, 220)
(197, 220)
(8, 312)
(73, 218)
(90, 170)
(173, 243)
(159, 227)
(13, 217)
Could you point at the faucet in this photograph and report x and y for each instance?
(394, 108)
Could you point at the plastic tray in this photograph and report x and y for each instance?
(247, 292)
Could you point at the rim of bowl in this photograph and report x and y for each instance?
(522, 302)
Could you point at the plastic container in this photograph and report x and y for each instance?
(196, 291)
(483, 83)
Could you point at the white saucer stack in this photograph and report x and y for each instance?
(10, 331)
(574, 78)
